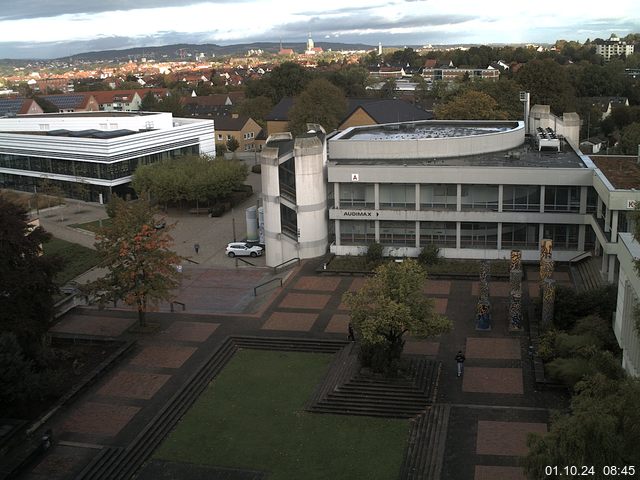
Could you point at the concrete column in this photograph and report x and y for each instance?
(614, 226)
(542, 190)
(599, 208)
(459, 199)
(583, 200)
(500, 200)
(377, 230)
(605, 260)
(336, 231)
(540, 233)
(500, 230)
(376, 196)
(612, 268)
(336, 195)
(581, 237)
(458, 230)
(607, 220)
(417, 234)
(417, 196)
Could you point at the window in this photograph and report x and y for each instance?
(478, 235)
(521, 198)
(480, 197)
(565, 237)
(356, 195)
(399, 234)
(562, 199)
(357, 232)
(520, 235)
(289, 222)
(440, 234)
(228, 137)
(438, 196)
(398, 196)
(220, 136)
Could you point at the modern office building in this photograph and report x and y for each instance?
(98, 149)
(613, 47)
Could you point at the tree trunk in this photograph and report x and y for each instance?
(142, 311)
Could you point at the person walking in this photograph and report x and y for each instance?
(460, 358)
(196, 247)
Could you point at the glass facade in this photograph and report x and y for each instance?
(398, 234)
(440, 234)
(561, 199)
(478, 235)
(479, 197)
(287, 177)
(438, 196)
(565, 237)
(398, 196)
(289, 222)
(357, 232)
(520, 235)
(360, 195)
(521, 198)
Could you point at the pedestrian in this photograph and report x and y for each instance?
(460, 358)
(352, 337)
(196, 247)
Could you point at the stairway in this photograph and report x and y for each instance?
(587, 274)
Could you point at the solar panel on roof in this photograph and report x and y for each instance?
(65, 102)
(10, 106)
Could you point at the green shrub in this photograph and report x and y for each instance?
(567, 345)
(571, 306)
(598, 329)
(429, 255)
(589, 361)
(381, 358)
(19, 381)
(256, 168)
(547, 345)
(374, 253)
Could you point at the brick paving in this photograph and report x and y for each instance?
(99, 418)
(328, 284)
(356, 284)
(134, 385)
(339, 323)
(494, 348)
(421, 347)
(440, 305)
(101, 326)
(163, 356)
(485, 472)
(298, 322)
(437, 287)
(493, 380)
(304, 300)
(496, 289)
(505, 438)
(190, 331)
(60, 461)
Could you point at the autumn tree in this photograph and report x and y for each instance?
(321, 102)
(232, 144)
(141, 268)
(26, 277)
(470, 105)
(389, 305)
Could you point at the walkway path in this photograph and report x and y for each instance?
(493, 405)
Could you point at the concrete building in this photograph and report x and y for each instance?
(98, 149)
(613, 48)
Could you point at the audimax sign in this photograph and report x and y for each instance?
(360, 213)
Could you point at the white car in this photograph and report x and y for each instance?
(242, 249)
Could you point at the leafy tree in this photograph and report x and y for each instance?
(470, 105)
(321, 102)
(389, 88)
(26, 277)
(46, 105)
(630, 139)
(506, 93)
(19, 380)
(171, 103)
(390, 304)
(288, 79)
(141, 270)
(549, 84)
(232, 144)
(221, 149)
(149, 102)
(352, 79)
(600, 430)
(256, 108)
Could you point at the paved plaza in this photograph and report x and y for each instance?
(494, 405)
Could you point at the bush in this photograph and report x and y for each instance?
(19, 381)
(547, 345)
(374, 253)
(599, 330)
(429, 255)
(256, 168)
(571, 306)
(382, 358)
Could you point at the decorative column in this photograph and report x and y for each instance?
(515, 297)
(548, 301)
(546, 263)
(483, 309)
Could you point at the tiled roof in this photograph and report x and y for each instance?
(68, 100)
(14, 106)
(229, 123)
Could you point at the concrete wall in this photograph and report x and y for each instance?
(568, 125)
(53, 121)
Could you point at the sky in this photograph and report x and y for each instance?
(57, 28)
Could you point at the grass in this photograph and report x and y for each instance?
(28, 200)
(93, 226)
(252, 417)
(76, 258)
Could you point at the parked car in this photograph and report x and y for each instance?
(243, 249)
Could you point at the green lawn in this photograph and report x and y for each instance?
(76, 258)
(252, 416)
(93, 226)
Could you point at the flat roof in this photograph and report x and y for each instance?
(414, 131)
(622, 171)
(526, 155)
(88, 114)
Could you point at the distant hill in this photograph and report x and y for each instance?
(189, 51)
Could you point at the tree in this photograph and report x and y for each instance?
(26, 277)
(141, 270)
(232, 144)
(288, 80)
(257, 108)
(389, 88)
(390, 304)
(352, 79)
(549, 84)
(321, 102)
(19, 380)
(602, 429)
(470, 105)
(46, 105)
(630, 139)
(149, 102)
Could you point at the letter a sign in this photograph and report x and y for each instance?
(355, 177)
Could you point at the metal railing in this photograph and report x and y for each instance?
(286, 263)
(255, 289)
(175, 302)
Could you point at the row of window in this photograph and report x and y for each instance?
(472, 234)
(78, 168)
(515, 198)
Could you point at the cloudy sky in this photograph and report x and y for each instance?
(55, 28)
